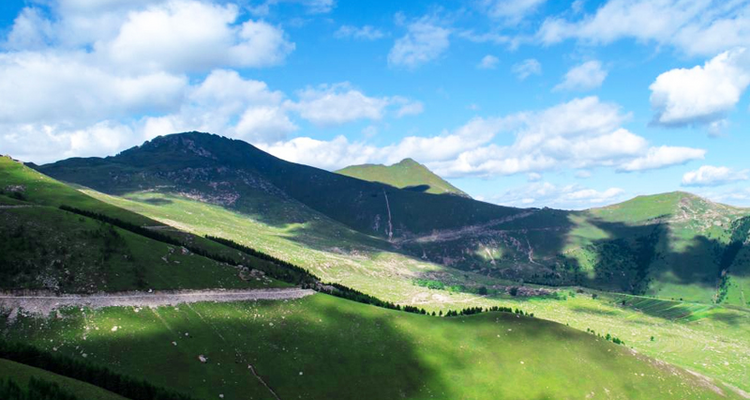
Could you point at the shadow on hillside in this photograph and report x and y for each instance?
(418, 188)
(311, 348)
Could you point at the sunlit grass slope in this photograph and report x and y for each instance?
(44, 247)
(323, 347)
(405, 174)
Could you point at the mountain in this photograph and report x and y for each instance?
(266, 349)
(673, 245)
(236, 174)
(407, 174)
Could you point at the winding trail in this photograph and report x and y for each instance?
(44, 304)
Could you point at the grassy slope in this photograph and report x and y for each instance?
(387, 275)
(45, 247)
(324, 347)
(21, 374)
(690, 237)
(405, 174)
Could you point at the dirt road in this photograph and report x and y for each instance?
(44, 304)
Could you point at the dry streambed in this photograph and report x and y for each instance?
(44, 304)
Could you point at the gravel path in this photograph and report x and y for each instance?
(44, 304)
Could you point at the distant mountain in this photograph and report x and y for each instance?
(674, 245)
(407, 174)
(240, 176)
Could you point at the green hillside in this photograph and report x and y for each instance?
(22, 375)
(45, 247)
(324, 347)
(681, 329)
(407, 174)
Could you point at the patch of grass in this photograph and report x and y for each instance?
(325, 347)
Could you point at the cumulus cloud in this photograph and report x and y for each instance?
(580, 134)
(709, 175)
(424, 41)
(702, 94)
(43, 87)
(586, 76)
(195, 36)
(527, 68)
(366, 32)
(329, 105)
(663, 156)
(695, 27)
(488, 62)
(546, 194)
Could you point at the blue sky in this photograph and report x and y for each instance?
(518, 102)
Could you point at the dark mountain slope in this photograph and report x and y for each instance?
(231, 172)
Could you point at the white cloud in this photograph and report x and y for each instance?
(410, 108)
(329, 105)
(510, 11)
(189, 35)
(586, 76)
(737, 195)
(709, 175)
(424, 41)
(176, 35)
(80, 78)
(696, 27)
(663, 156)
(46, 142)
(527, 68)
(488, 62)
(312, 6)
(366, 32)
(45, 87)
(546, 194)
(583, 133)
(702, 94)
(331, 155)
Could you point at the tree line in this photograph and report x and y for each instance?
(479, 310)
(103, 377)
(37, 389)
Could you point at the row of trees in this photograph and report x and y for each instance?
(609, 337)
(37, 389)
(479, 310)
(103, 377)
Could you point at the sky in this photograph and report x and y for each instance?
(527, 103)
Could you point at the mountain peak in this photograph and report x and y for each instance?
(407, 162)
(406, 174)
